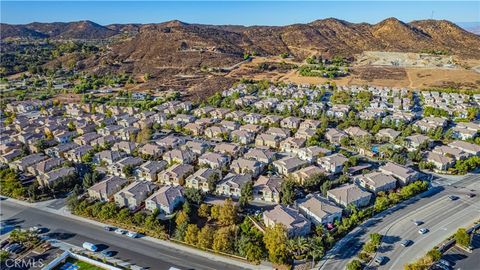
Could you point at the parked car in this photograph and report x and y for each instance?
(90, 246)
(132, 234)
(471, 195)
(445, 262)
(120, 231)
(4, 243)
(109, 228)
(107, 253)
(406, 243)
(423, 231)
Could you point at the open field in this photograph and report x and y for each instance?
(464, 75)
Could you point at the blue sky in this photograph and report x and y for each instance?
(234, 12)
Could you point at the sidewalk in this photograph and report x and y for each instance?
(43, 206)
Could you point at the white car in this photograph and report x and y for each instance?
(132, 234)
(120, 231)
(423, 231)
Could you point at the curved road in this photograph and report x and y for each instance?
(138, 251)
(439, 214)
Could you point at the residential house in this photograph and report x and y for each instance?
(404, 174)
(175, 175)
(244, 166)
(121, 167)
(150, 169)
(267, 188)
(335, 136)
(292, 145)
(76, 154)
(377, 181)
(441, 162)
(231, 149)
(387, 134)
(467, 147)
(204, 179)
(213, 160)
(197, 147)
(356, 132)
(217, 132)
(414, 142)
(319, 210)
(133, 195)
(150, 151)
(242, 136)
(166, 199)
(47, 179)
(288, 165)
(267, 140)
(312, 153)
(333, 163)
(304, 174)
(124, 146)
(108, 157)
(105, 189)
(265, 156)
(291, 219)
(232, 184)
(349, 195)
(179, 156)
(290, 122)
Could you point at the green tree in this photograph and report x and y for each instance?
(223, 240)
(354, 265)
(191, 234)
(246, 193)
(288, 191)
(205, 237)
(275, 239)
(181, 218)
(462, 237)
(204, 210)
(228, 213)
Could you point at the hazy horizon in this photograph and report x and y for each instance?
(236, 13)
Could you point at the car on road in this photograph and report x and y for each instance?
(380, 260)
(109, 228)
(423, 231)
(453, 197)
(471, 195)
(406, 243)
(132, 234)
(108, 253)
(120, 231)
(418, 222)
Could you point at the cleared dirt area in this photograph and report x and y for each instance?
(462, 76)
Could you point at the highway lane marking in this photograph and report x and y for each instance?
(433, 233)
(412, 229)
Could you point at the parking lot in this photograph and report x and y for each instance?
(463, 260)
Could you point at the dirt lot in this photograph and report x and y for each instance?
(373, 75)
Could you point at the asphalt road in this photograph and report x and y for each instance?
(463, 260)
(137, 251)
(439, 214)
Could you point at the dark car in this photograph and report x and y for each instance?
(109, 228)
(108, 253)
(452, 198)
(470, 195)
(406, 243)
